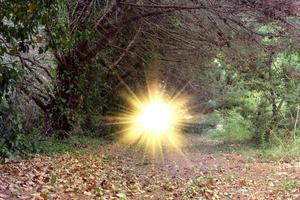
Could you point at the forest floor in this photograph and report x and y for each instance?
(110, 171)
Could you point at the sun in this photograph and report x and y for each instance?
(155, 117)
(153, 121)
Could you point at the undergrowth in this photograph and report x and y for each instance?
(32, 144)
(235, 133)
(285, 151)
(234, 128)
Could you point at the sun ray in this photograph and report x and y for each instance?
(153, 121)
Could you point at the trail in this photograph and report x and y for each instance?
(110, 171)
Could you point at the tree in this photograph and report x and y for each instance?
(78, 32)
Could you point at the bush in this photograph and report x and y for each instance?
(10, 129)
(206, 123)
(214, 119)
(235, 129)
(285, 151)
(38, 144)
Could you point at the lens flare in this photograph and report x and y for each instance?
(153, 121)
(155, 117)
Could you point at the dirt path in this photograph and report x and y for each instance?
(111, 171)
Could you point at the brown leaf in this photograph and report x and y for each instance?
(106, 185)
(91, 187)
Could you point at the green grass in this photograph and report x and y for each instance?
(37, 144)
(29, 145)
(233, 132)
(232, 128)
(287, 186)
(285, 151)
(235, 135)
(288, 150)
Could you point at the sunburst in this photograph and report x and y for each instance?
(154, 120)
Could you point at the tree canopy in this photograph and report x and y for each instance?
(69, 57)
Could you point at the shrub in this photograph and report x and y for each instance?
(284, 151)
(10, 129)
(205, 124)
(235, 129)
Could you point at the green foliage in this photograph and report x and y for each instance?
(207, 123)
(231, 177)
(27, 145)
(235, 128)
(214, 118)
(100, 100)
(11, 143)
(53, 179)
(14, 143)
(272, 28)
(282, 150)
(104, 88)
(38, 144)
(264, 90)
(287, 186)
(20, 21)
(9, 77)
(24, 28)
(21, 26)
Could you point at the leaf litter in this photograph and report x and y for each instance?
(110, 172)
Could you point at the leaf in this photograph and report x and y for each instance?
(53, 179)
(91, 186)
(13, 51)
(39, 39)
(31, 7)
(99, 192)
(121, 196)
(44, 195)
(106, 185)
(247, 182)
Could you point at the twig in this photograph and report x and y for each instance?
(126, 50)
(296, 122)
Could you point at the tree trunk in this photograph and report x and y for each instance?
(67, 97)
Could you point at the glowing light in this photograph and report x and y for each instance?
(156, 117)
(153, 121)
